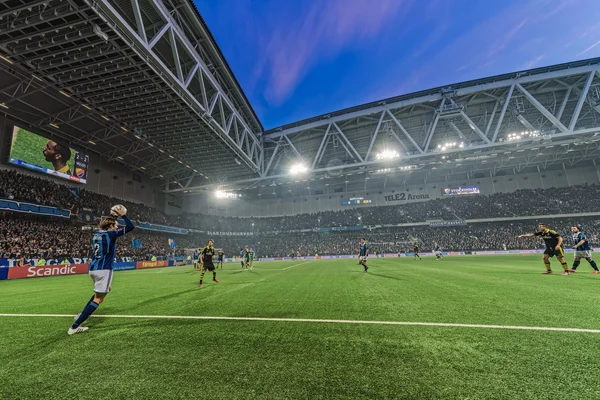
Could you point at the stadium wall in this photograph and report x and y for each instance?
(112, 179)
(390, 195)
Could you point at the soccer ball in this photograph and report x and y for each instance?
(118, 211)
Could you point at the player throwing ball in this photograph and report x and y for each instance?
(206, 260)
(582, 249)
(553, 242)
(363, 254)
(104, 243)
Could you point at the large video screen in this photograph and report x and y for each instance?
(460, 190)
(47, 156)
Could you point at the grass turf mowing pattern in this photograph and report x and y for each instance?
(174, 359)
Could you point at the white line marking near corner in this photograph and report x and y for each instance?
(327, 321)
(296, 265)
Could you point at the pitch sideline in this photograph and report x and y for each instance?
(328, 321)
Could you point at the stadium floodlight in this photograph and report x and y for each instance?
(450, 145)
(298, 169)
(387, 155)
(522, 135)
(221, 194)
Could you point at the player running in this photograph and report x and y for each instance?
(416, 252)
(221, 254)
(553, 242)
(104, 244)
(438, 251)
(206, 260)
(196, 255)
(247, 258)
(363, 253)
(582, 249)
(251, 258)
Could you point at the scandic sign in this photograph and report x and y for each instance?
(37, 272)
(151, 264)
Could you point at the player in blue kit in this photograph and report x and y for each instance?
(582, 249)
(363, 253)
(104, 244)
(438, 251)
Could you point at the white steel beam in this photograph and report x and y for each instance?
(470, 122)
(175, 52)
(489, 124)
(294, 149)
(542, 109)
(582, 97)
(502, 113)
(159, 35)
(426, 98)
(405, 132)
(457, 131)
(191, 75)
(374, 136)
(347, 142)
(431, 131)
(564, 103)
(176, 81)
(322, 147)
(490, 148)
(139, 20)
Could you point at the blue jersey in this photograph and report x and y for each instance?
(437, 248)
(578, 237)
(104, 244)
(364, 248)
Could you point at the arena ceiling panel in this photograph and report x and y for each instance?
(141, 83)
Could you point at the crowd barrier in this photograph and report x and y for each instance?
(8, 270)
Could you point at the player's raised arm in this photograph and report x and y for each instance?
(527, 235)
(120, 211)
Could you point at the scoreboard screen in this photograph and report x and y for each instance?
(355, 201)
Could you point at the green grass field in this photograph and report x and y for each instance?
(28, 147)
(146, 358)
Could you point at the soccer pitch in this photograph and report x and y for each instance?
(139, 357)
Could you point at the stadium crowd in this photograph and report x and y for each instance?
(41, 237)
(525, 202)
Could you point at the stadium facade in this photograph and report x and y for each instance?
(142, 87)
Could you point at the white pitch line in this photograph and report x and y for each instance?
(296, 265)
(327, 321)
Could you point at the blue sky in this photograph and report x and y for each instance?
(299, 58)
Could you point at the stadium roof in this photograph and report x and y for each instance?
(532, 120)
(141, 82)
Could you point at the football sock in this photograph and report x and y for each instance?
(547, 265)
(202, 276)
(565, 266)
(85, 314)
(576, 264)
(214, 276)
(593, 264)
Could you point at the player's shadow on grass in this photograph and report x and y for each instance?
(169, 296)
(385, 276)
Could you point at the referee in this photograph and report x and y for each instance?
(206, 260)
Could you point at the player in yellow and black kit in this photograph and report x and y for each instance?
(206, 259)
(416, 250)
(553, 242)
(221, 254)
